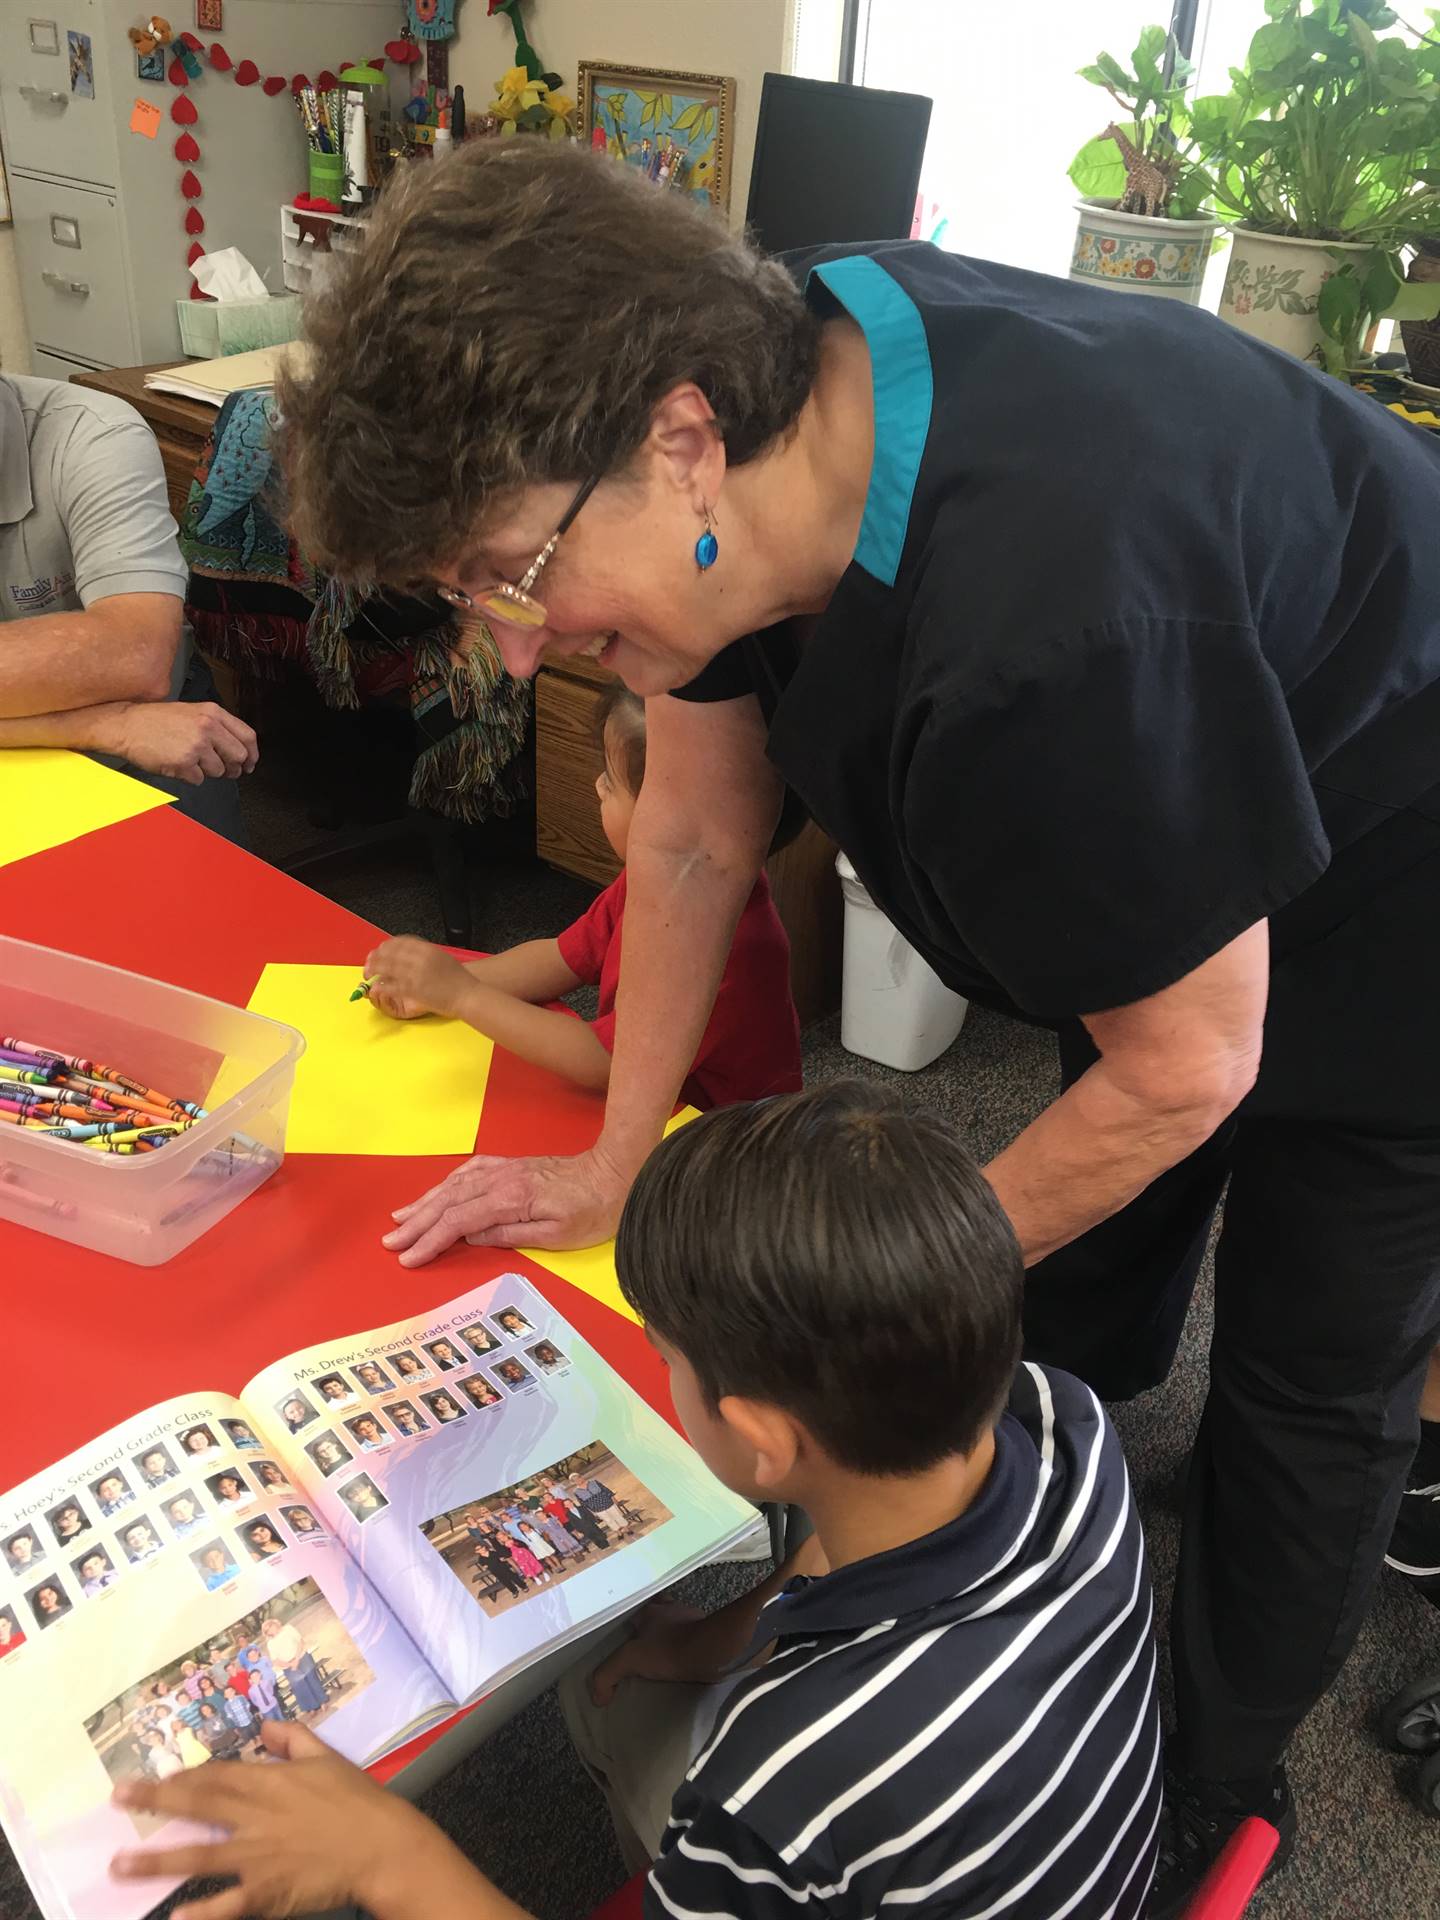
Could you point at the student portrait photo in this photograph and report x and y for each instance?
(301, 1522)
(214, 1564)
(296, 1411)
(112, 1493)
(547, 1356)
(335, 1391)
(363, 1497)
(242, 1435)
(262, 1540)
(12, 1634)
(268, 1474)
(407, 1365)
(67, 1521)
(184, 1514)
(373, 1377)
(443, 1407)
(479, 1392)
(445, 1354)
(23, 1550)
(511, 1323)
(228, 1488)
(513, 1374)
(199, 1442)
(367, 1433)
(155, 1466)
(406, 1419)
(49, 1602)
(95, 1571)
(479, 1339)
(328, 1452)
(140, 1541)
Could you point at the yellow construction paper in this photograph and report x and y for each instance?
(48, 796)
(592, 1269)
(367, 1083)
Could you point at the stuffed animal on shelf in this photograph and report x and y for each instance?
(156, 32)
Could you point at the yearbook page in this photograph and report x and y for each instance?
(498, 1483)
(164, 1592)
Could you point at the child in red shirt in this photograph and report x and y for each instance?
(751, 1047)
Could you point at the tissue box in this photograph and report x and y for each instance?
(209, 329)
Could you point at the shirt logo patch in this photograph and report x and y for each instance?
(43, 590)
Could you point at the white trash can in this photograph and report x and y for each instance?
(894, 1009)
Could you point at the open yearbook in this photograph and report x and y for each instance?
(378, 1531)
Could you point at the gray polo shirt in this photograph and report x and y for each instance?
(83, 507)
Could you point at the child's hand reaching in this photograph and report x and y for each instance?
(303, 1838)
(410, 977)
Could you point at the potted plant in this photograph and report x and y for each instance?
(1326, 151)
(1144, 223)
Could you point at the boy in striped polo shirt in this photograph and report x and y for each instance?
(945, 1703)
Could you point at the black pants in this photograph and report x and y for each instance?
(1327, 1303)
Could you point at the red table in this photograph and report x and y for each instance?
(300, 1261)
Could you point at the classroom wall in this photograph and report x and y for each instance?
(14, 334)
(742, 38)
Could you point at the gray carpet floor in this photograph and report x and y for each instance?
(1365, 1851)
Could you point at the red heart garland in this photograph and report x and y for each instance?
(187, 149)
(178, 76)
(274, 83)
(183, 110)
(190, 186)
(403, 51)
(300, 81)
(194, 220)
(196, 294)
(246, 74)
(197, 252)
(220, 59)
(326, 82)
(192, 42)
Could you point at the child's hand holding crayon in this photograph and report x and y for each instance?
(408, 977)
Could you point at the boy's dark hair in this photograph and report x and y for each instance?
(623, 712)
(838, 1255)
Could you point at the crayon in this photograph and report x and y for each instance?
(135, 1141)
(25, 1076)
(9, 1058)
(74, 1129)
(362, 991)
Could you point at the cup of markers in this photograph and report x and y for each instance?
(85, 1104)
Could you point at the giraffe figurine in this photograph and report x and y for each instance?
(1148, 182)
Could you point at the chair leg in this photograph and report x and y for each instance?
(447, 843)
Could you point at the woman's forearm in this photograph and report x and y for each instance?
(1087, 1156)
(680, 916)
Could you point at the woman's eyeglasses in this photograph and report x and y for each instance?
(516, 604)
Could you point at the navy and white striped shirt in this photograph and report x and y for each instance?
(966, 1725)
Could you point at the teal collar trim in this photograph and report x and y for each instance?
(904, 384)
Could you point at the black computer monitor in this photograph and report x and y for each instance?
(834, 163)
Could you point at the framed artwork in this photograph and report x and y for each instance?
(208, 15)
(677, 128)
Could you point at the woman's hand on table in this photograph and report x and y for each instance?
(306, 1837)
(409, 977)
(495, 1202)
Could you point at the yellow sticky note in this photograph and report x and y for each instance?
(145, 118)
(367, 1083)
(592, 1269)
(48, 797)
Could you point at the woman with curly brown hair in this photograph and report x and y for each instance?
(1102, 639)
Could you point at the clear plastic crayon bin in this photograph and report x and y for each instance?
(143, 1207)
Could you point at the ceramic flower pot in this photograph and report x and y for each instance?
(1133, 254)
(1272, 287)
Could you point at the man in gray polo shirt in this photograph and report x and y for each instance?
(93, 651)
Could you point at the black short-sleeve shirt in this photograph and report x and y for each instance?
(1143, 628)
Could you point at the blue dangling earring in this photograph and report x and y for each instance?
(707, 547)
